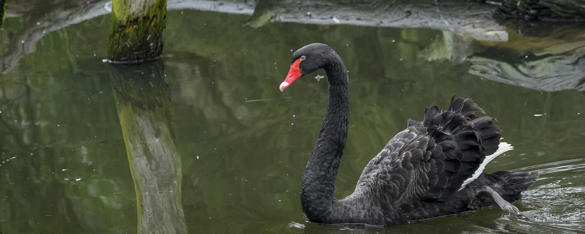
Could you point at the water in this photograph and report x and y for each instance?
(238, 147)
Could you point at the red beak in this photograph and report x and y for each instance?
(293, 74)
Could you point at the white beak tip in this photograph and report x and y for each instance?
(283, 86)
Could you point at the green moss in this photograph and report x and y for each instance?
(261, 19)
(144, 111)
(2, 11)
(136, 37)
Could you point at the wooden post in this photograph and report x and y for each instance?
(2, 11)
(137, 28)
(144, 109)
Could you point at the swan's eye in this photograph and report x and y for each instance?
(303, 58)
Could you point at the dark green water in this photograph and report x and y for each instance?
(240, 146)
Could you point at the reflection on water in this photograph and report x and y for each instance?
(71, 128)
(470, 20)
(144, 109)
(555, 66)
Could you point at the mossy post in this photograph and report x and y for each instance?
(137, 28)
(2, 11)
(143, 101)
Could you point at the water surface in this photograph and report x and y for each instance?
(241, 146)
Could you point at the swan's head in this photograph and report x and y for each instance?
(306, 60)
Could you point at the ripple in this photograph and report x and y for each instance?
(556, 203)
(569, 165)
(555, 206)
(296, 225)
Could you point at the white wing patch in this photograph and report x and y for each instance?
(502, 148)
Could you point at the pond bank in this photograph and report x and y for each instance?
(542, 10)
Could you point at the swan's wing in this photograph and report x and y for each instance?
(400, 170)
(393, 154)
(431, 159)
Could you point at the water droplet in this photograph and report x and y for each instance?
(319, 77)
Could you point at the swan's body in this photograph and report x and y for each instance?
(432, 168)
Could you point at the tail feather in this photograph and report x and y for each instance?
(462, 139)
(502, 148)
(488, 134)
(479, 134)
(466, 106)
(509, 184)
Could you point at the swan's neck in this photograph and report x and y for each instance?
(318, 184)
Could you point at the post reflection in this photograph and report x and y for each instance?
(144, 109)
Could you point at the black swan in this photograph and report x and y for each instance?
(432, 168)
